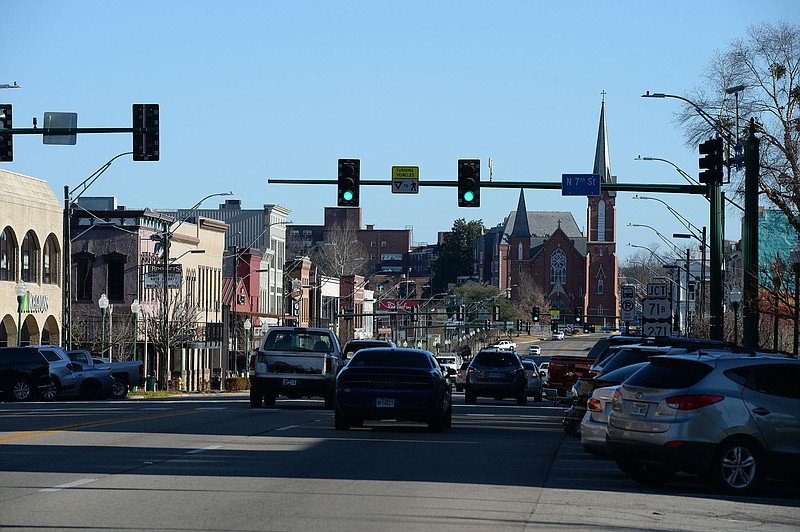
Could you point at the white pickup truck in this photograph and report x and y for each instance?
(295, 362)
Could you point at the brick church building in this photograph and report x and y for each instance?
(572, 269)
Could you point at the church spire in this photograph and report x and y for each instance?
(521, 227)
(602, 163)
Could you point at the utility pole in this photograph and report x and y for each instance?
(750, 314)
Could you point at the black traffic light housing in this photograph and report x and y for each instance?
(469, 183)
(6, 141)
(712, 162)
(535, 314)
(496, 313)
(554, 326)
(145, 143)
(349, 182)
(578, 315)
(587, 328)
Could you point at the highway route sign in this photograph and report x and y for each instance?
(656, 308)
(405, 179)
(657, 329)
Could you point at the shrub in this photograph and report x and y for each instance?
(237, 384)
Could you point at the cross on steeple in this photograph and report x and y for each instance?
(604, 96)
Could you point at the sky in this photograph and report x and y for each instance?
(257, 90)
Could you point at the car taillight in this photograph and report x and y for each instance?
(328, 365)
(533, 375)
(692, 401)
(519, 371)
(594, 405)
(460, 373)
(141, 370)
(70, 367)
(616, 402)
(252, 364)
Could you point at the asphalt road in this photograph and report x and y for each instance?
(213, 463)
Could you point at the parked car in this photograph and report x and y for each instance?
(729, 415)
(496, 373)
(24, 373)
(461, 376)
(352, 346)
(62, 378)
(557, 335)
(534, 349)
(534, 380)
(508, 345)
(126, 373)
(593, 425)
(393, 383)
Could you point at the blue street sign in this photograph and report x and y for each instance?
(580, 184)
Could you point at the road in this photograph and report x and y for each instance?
(213, 463)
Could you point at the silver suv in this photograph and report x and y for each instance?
(731, 416)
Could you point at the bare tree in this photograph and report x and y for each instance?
(767, 64)
(341, 254)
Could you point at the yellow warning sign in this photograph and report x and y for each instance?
(405, 172)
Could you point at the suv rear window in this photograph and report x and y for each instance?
(498, 360)
(24, 355)
(669, 374)
(50, 356)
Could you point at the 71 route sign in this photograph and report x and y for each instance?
(405, 179)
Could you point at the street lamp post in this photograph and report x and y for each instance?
(736, 297)
(776, 269)
(135, 309)
(103, 303)
(20, 291)
(247, 326)
(794, 255)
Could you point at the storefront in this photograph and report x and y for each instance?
(31, 248)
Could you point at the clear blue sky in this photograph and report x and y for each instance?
(260, 89)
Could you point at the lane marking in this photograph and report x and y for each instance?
(209, 448)
(287, 427)
(70, 484)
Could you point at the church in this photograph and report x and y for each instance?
(548, 250)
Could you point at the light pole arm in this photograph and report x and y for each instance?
(730, 138)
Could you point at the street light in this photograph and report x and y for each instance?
(675, 248)
(103, 303)
(794, 256)
(735, 297)
(135, 309)
(247, 326)
(20, 290)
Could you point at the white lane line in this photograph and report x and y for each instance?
(287, 427)
(209, 448)
(70, 484)
(157, 408)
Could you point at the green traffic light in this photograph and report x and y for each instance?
(347, 195)
(469, 196)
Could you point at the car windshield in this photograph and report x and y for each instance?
(498, 360)
(381, 358)
(446, 360)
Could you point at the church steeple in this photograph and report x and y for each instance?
(521, 227)
(602, 163)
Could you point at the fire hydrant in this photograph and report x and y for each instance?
(180, 385)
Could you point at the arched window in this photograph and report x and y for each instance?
(50, 261)
(519, 252)
(8, 255)
(600, 287)
(557, 303)
(601, 221)
(600, 310)
(558, 267)
(29, 255)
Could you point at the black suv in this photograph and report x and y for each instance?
(496, 373)
(24, 373)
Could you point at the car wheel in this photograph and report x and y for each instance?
(256, 398)
(269, 399)
(340, 422)
(330, 402)
(522, 400)
(538, 397)
(737, 467)
(51, 392)
(645, 474)
(119, 390)
(90, 390)
(448, 416)
(470, 397)
(21, 390)
(459, 388)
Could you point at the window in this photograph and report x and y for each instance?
(116, 277)
(8, 255)
(30, 258)
(50, 264)
(519, 252)
(372, 244)
(83, 280)
(383, 243)
(601, 221)
(600, 286)
(558, 267)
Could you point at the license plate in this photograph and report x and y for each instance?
(384, 403)
(639, 409)
(495, 375)
(290, 382)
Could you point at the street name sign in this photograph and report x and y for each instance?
(580, 184)
(405, 179)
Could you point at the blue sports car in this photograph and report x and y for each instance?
(393, 383)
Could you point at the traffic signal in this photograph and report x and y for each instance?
(535, 315)
(6, 141)
(145, 143)
(349, 182)
(496, 313)
(578, 315)
(554, 326)
(712, 161)
(587, 328)
(469, 183)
